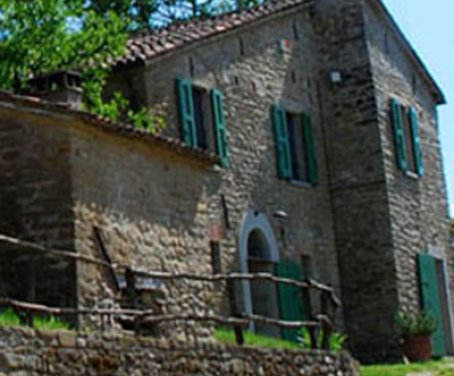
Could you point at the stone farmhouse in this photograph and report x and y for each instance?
(301, 139)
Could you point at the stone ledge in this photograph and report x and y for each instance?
(71, 353)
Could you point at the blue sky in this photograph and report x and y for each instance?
(429, 25)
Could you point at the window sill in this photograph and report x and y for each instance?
(300, 184)
(412, 175)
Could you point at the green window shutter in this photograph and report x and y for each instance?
(399, 135)
(217, 103)
(310, 148)
(416, 141)
(186, 109)
(282, 142)
(431, 298)
(291, 305)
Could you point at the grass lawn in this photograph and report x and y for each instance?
(438, 368)
(8, 318)
(227, 336)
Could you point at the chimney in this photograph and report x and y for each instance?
(63, 87)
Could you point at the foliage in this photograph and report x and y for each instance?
(43, 36)
(452, 227)
(336, 340)
(147, 14)
(224, 335)
(415, 324)
(50, 323)
(9, 318)
(227, 336)
(138, 12)
(117, 108)
(439, 368)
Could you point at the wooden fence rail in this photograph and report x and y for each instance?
(238, 320)
(307, 284)
(150, 316)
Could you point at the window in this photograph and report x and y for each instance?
(406, 137)
(216, 263)
(295, 146)
(298, 152)
(202, 119)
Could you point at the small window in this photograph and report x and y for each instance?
(298, 150)
(241, 44)
(216, 262)
(295, 146)
(202, 118)
(409, 146)
(406, 136)
(295, 31)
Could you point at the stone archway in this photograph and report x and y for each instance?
(259, 252)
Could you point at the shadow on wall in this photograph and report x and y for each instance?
(31, 277)
(35, 183)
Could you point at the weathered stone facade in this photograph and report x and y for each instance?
(183, 203)
(362, 226)
(384, 218)
(35, 202)
(36, 353)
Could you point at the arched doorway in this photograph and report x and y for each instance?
(259, 253)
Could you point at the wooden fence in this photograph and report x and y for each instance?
(323, 322)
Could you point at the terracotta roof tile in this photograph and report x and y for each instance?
(148, 45)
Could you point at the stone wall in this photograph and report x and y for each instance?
(152, 208)
(35, 189)
(418, 205)
(177, 202)
(61, 177)
(383, 219)
(33, 353)
(357, 182)
(35, 205)
(253, 73)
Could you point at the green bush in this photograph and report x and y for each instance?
(227, 336)
(50, 323)
(9, 318)
(415, 324)
(336, 340)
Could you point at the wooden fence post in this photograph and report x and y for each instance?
(307, 304)
(235, 311)
(130, 279)
(325, 321)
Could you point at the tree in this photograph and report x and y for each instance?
(41, 36)
(148, 14)
(46, 35)
(137, 12)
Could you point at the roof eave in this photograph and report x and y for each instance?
(35, 105)
(149, 60)
(437, 92)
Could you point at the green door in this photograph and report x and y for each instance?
(291, 306)
(431, 299)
